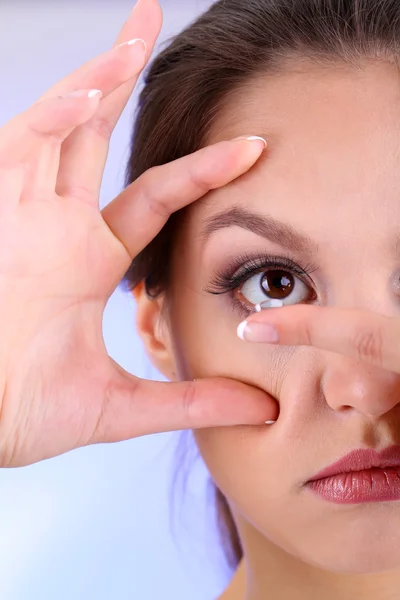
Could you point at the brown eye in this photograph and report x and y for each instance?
(277, 284)
(274, 284)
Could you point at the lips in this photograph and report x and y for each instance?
(362, 460)
(363, 475)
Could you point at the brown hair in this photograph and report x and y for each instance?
(187, 83)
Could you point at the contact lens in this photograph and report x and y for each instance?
(272, 303)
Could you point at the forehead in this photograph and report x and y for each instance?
(333, 146)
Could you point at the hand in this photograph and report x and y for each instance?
(61, 258)
(361, 334)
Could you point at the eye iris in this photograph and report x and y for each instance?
(277, 283)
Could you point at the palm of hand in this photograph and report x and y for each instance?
(58, 282)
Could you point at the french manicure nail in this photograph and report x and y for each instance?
(270, 422)
(251, 138)
(132, 42)
(258, 332)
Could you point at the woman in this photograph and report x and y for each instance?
(274, 398)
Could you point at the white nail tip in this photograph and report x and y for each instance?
(270, 422)
(256, 137)
(241, 329)
(131, 42)
(94, 93)
(251, 138)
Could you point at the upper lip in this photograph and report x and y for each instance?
(361, 459)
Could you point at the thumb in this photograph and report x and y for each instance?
(133, 407)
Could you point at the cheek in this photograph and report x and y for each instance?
(261, 469)
(256, 474)
(254, 469)
(250, 467)
(205, 343)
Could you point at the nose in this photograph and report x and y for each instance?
(348, 383)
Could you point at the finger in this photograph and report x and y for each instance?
(91, 72)
(84, 153)
(362, 334)
(37, 134)
(109, 70)
(135, 407)
(54, 117)
(142, 209)
(114, 67)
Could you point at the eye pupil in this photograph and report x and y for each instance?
(278, 284)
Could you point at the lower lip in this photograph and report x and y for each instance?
(372, 485)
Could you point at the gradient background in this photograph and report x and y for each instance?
(95, 523)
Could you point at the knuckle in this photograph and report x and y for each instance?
(153, 194)
(149, 186)
(44, 136)
(101, 127)
(158, 206)
(198, 180)
(98, 427)
(368, 344)
(188, 402)
(306, 334)
(79, 192)
(102, 416)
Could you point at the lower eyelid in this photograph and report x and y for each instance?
(239, 307)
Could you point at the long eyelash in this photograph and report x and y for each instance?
(231, 277)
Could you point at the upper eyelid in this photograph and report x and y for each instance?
(282, 262)
(224, 282)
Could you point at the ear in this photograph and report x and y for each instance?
(154, 332)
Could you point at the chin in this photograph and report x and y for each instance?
(360, 562)
(363, 543)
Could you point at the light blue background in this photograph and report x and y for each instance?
(95, 523)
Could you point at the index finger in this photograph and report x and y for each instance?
(138, 25)
(142, 209)
(361, 334)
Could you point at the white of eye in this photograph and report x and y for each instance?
(257, 294)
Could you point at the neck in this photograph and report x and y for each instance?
(296, 580)
(269, 572)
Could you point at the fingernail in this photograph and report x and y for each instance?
(251, 138)
(132, 42)
(270, 422)
(81, 93)
(258, 332)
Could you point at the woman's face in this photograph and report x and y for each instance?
(326, 195)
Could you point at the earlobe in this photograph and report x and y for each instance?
(154, 331)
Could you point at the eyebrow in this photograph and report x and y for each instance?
(271, 229)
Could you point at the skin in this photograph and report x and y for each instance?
(330, 171)
(332, 381)
(59, 388)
